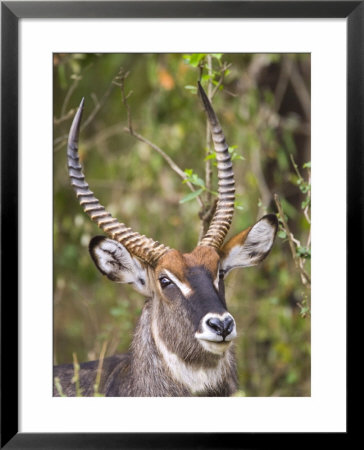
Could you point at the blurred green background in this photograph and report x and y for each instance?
(263, 103)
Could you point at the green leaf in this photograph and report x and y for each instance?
(188, 172)
(304, 311)
(193, 178)
(194, 59)
(282, 234)
(234, 154)
(306, 203)
(304, 252)
(304, 187)
(191, 196)
(197, 181)
(210, 156)
(235, 157)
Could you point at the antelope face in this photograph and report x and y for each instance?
(192, 298)
(189, 312)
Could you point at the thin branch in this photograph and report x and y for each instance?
(208, 168)
(97, 107)
(295, 166)
(305, 278)
(301, 89)
(308, 243)
(119, 81)
(72, 88)
(59, 142)
(64, 117)
(206, 217)
(223, 70)
(283, 80)
(290, 73)
(264, 190)
(103, 135)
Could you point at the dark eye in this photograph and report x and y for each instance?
(221, 274)
(164, 282)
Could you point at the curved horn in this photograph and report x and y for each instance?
(142, 247)
(221, 221)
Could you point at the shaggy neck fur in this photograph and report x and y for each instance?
(156, 371)
(151, 369)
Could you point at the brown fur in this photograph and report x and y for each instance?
(179, 263)
(139, 373)
(143, 371)
(168, 357)
(181, 344)
(236, 240)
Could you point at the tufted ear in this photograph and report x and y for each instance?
(250, 246)
(114, 261)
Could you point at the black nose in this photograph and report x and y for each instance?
(221, 327)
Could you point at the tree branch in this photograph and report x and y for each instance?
(120, 81)
(59, 142)
(208, 169)
(305, 278)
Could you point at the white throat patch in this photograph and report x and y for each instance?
(196, 380)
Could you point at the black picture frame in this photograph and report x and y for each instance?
(11, 12)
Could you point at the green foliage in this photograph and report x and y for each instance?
(193, 178)
(304, 252)
(213, 68)
(235, 156)
(268, 302)
(191, 196)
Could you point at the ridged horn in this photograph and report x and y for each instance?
(141, 246)
(221, 221)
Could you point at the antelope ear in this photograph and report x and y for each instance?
(250, 246)
(113, 260)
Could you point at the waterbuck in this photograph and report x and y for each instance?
(182, 344)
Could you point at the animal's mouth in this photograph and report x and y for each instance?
(222, 341)
(214, 346)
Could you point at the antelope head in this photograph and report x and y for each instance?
(189, 315)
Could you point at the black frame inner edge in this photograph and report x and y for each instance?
(11, 12)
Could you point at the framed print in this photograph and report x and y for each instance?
(284, 80)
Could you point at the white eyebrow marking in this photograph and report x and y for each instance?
(217, 279)
(186, 290)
